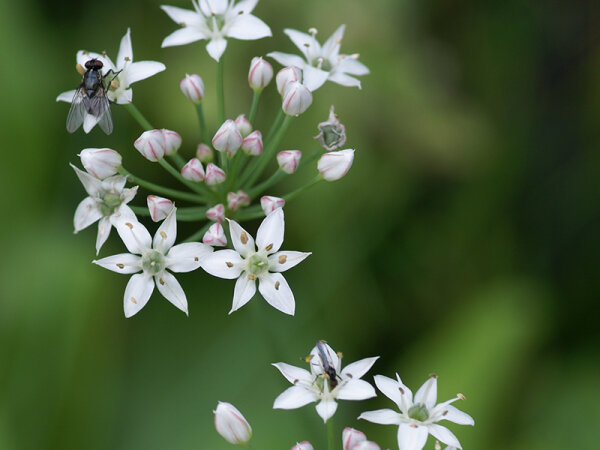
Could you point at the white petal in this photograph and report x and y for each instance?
(86, 214)
(141, 70)
(302, 40)
(125, 51)
(91, 184)
(115, 184)
(242, 241)
(84, 56)
(286, 59)
(104, 227)
(216, 47)
(170, 288)
(244, 7)
(248, 27)
(352, 66)
(313, 78)
(294, 374)
(135, 236)
(270, 232)
(411, 437)
(358, 368)
(186, 257)
(331, 47)
(356, 390)
(284, 260)
(216, 7)
(455, 415)
(166, 233)
(122, 214)
(294, 397)
(427, 394)
(326, 409)
(277, 292)
(182, 16)
(343, 79)
(122, 98)
(183, 36)
(399, 394)
(121, 263)
(444, 435)
(66, 96)
(382, 416)
(89, 122)
(245, 288)
(222, 264)
(137, 293)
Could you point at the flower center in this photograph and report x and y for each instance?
(153, 262)
(322, 63)
(109, 203)
(418, 412)
(257, 264)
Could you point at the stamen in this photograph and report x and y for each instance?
(133, 300)
(195, 258)
(401, 390)
(282, 259)
(120, 266)
(313, 31)
(414, 425)
(230, 265)
(114, 84)
(161, 281)
(444, 413)
(127, 58)
(269, 247)
(252, 277)
(244, 238)
(277, 285)
(432, 375)
(461, 396)
(163, 235)
(355, 56)
(80, 69)
(129, 225)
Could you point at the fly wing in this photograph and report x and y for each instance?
(77, 111)
(99, 106)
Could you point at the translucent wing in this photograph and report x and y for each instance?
(77, 111)
(99, 106)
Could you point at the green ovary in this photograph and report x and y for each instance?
(153, 262)
(418, 412)
(109, 203)
(257, 264)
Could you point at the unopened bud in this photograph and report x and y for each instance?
(215, 236)
(351, 437)
(155, 144)
(253, 144)
(288, 160)
(214, 175)
(193, 170)
(227, 139)
(366, 445)
(270, 204)
(296, 99)
(243, 125)
(231, 424)
(159, 207)
(216, 213)
(236, 200)
(334, 165)
(260, 74)
(100, 162)
(332, 134)
(192, 87)
(204, 153)
(304, 445)
(285, 76)
(172, 141)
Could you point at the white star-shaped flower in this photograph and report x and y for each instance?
(124, 74)
(417, 417)
(249, 264)
(322, 63)
(215, 20)
(325, 382)
(107, 203)
(153, 257)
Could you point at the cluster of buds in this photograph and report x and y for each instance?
(154, 145)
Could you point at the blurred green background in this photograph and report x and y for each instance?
(464, 241)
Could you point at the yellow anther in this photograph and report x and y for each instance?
(282, 259)
(195, 258)
(230, 265)
(313, 31)
(79, 68)
(129, 225)
(120, 266)
(114, 84)
(252, 277)
(461, 396)
(277, 285)
(269, 247)
(244, 238)
(161, 281)
(127, 58)
(163, 235)
(133, 300)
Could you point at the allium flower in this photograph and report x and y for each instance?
(260, 73)
(253, 144)
(296, 98)
(332, 134)
(100, 162)
(288, 160)
(155, 144)
(304, 445)
(322, 63)
(193, 170)
(192, 87)
(159, 207)
(249, 264)
(204, 153)
(243, 125)
(216, 213)
(215, 236)
(128, 71)
(270, 204)
(356, 440)
(214, 175)
(285, 76)
(107, 202)
(215, 20)
(228, 138)
(417, 417)
(231, 424)
(325, 382)
(236, 200)
(334, 165)
(153, 257)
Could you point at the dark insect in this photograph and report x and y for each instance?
(90, 98)
(327, 368)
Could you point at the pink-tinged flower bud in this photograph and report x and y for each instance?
(260, 74)
(216, 213)
(100, 162)
(253, 144)
(193, 170)
(215, 236)
(214, 175)
(159, 207)
(151, 144)
(270, 204)
(304, 445)
(296, 99)
(285, 76)
(243, 125)
(235, 200)
(192, 87)
(332, 134)
(288, 160)
(351, 437)
(172, 141)
(334, 165)
(231, 424)
(204, 153)
(227, 139)
(366, 445)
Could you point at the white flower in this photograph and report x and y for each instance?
(417, 417)
(128, 71)
(100, 162)
(304, 445)
(322, 63)
(228, 138)
(159, 207)
(215, 236)
(155, 144)
(231, 424)
(153, 257)
(193, 170)
(334, 165)
(204, 153)
(260, 73)
(264, 265)
(296, 98)
(215, 20)
(192, 87)
(253, 144)
(243, 125)
(107, 202)
(325, 382)
(269, 203)
(356, 440)
(286, 76)
(288, 160)
(216, 213)
(214, 175)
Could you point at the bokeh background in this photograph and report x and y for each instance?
(464, 241)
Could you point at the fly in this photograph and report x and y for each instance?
(328, 369)
(91, 99)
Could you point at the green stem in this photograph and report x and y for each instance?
(220, 92)
(155, 188)
(203, 129)
(275, 126)
(254, 106)
(198, 234)
(330, 435)
(199, 188)
(301, 189)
